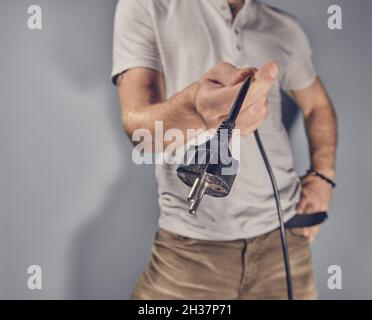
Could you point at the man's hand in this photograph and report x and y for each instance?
(202, 105)
(219, 87)
(315, 197)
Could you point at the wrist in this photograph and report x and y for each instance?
(183, 102)
(330, 173)
(321, 175)
(191, 92)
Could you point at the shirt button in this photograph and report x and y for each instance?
(236, 31)
(238, 47)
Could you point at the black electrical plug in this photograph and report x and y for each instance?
(212, 169)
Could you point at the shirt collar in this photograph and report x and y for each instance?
(245, 14)
(223, 4)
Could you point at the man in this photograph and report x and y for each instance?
(163, 50)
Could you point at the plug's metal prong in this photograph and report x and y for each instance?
(199, 186)
(192, 193)
(195, 204)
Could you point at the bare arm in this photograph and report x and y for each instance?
(321, 126)
(142, 99)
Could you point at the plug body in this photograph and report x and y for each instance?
(209, 168)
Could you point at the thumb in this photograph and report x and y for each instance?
(268, 71)
(240, 75)
(265, 76)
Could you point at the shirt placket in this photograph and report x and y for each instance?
(237, 43)
(235, 32)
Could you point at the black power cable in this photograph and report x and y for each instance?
(234, 112)
(279, 209)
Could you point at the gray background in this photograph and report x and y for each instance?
(71, 200)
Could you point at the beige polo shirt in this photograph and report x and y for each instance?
(185, 38)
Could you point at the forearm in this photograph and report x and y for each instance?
(177, 112)
(321, 128)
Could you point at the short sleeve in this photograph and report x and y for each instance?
(299, 73)
(134, 41)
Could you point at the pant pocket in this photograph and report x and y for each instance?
(293, 236)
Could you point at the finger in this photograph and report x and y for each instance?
(267, 71)
(223, 73)
(301, 206)
(306, 232)
(265, 77)
(255, 99)
(315, 230)
(298, 231)
(309, 209)
(311, 231)
(222, 98)
(226, 95)
(251, 118)
(241, 75)
(263, 81)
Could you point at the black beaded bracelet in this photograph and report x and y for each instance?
(312, 172)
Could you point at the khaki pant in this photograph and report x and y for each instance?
(184, 268)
